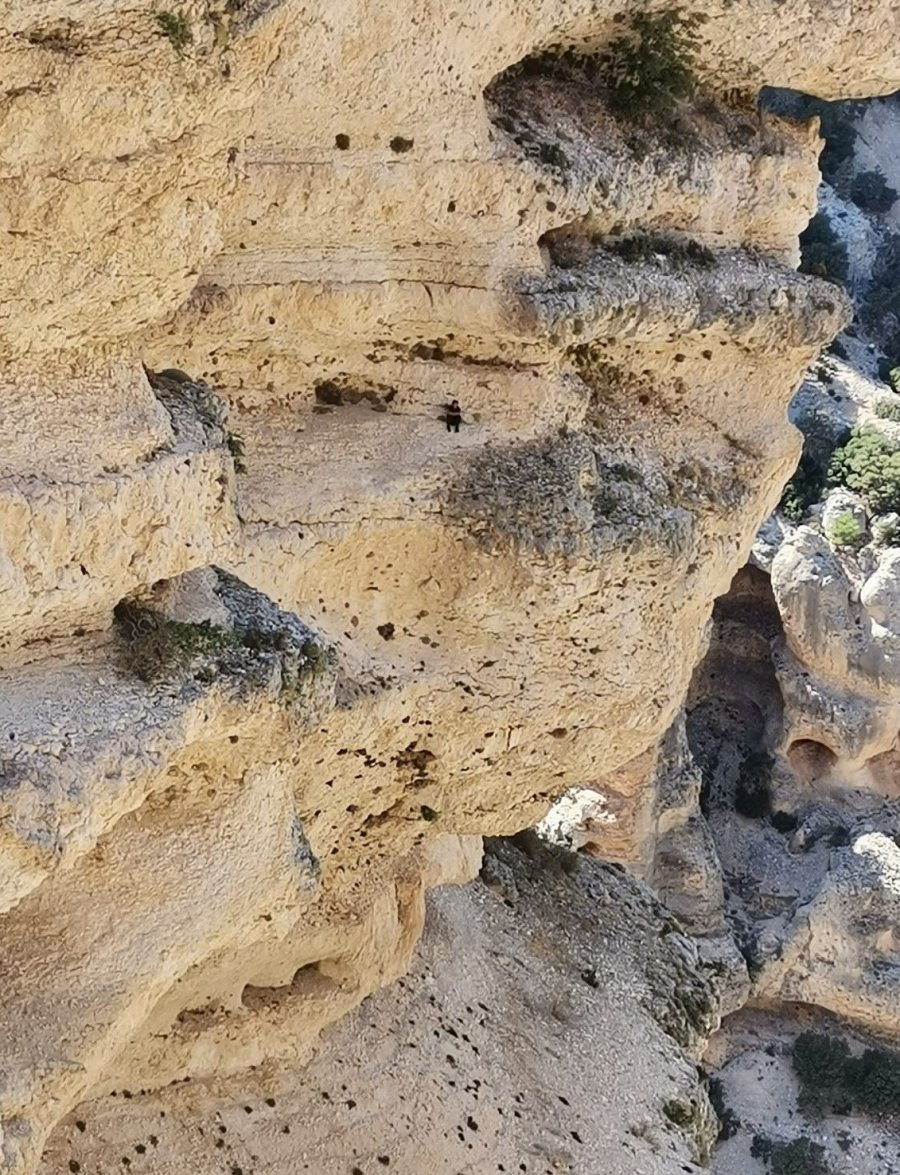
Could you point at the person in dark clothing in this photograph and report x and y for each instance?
(453, 416)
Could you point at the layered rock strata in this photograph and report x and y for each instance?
(343, 219)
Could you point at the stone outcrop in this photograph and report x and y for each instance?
(505, 1044)
(793, 723)
(840, 952)
(342, 219)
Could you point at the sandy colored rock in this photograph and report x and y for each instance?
(528, 1030)
(331, 222)
(838, 952)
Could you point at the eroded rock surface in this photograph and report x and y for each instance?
(543, 1023)
(316, 227)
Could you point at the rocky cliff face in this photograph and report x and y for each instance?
(219, 815)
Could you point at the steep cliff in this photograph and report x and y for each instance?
(219, 816)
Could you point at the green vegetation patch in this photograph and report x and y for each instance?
(833, 1080)
(176, 26)
(845, 531)
(803, 490)
(652, 68)
(889, 408)
(822, 252)
(869, 464)
(235, 444)
(650, 246)
(870, 191)
(800, 1156)
(264, 646)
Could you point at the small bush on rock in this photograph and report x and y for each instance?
(803, 490)
(888, 409)
(869, 464)
(870, 192)
(651, 69)
(801, 1156)
(650, 246)
(822, 252)
(845, 531)
(175, 26)
(235, 446)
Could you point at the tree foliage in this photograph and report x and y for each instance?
(803, 490)
(822, 252)
(869, 464)
(888, 408)
(800, 1156)
(870, 192)
(651, 69)
(831, 1079)
(845, 531)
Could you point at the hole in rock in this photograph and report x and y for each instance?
(317, 980)
(811, 760)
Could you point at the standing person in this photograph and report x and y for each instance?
(453, 416)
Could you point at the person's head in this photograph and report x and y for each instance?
(454, 403)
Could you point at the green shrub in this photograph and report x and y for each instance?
(830, 1078)
(870, 192)
(803, 490)
(651, 69)
(176, 27)
(752, 795)
(845, 531)
(160, 648)
(820, 1063)
(869, 464)
(888, 409)
(801, 1156)
(679, 1114)
(873, 1082)
(821, 250)
(894, 378)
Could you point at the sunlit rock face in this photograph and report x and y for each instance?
(221, 805)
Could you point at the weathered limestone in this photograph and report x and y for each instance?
(840, 951)
(505, 1044)
(89, 957)
(324, 213)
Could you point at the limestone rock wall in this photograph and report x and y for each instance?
(342, 218)
(505, 1044)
